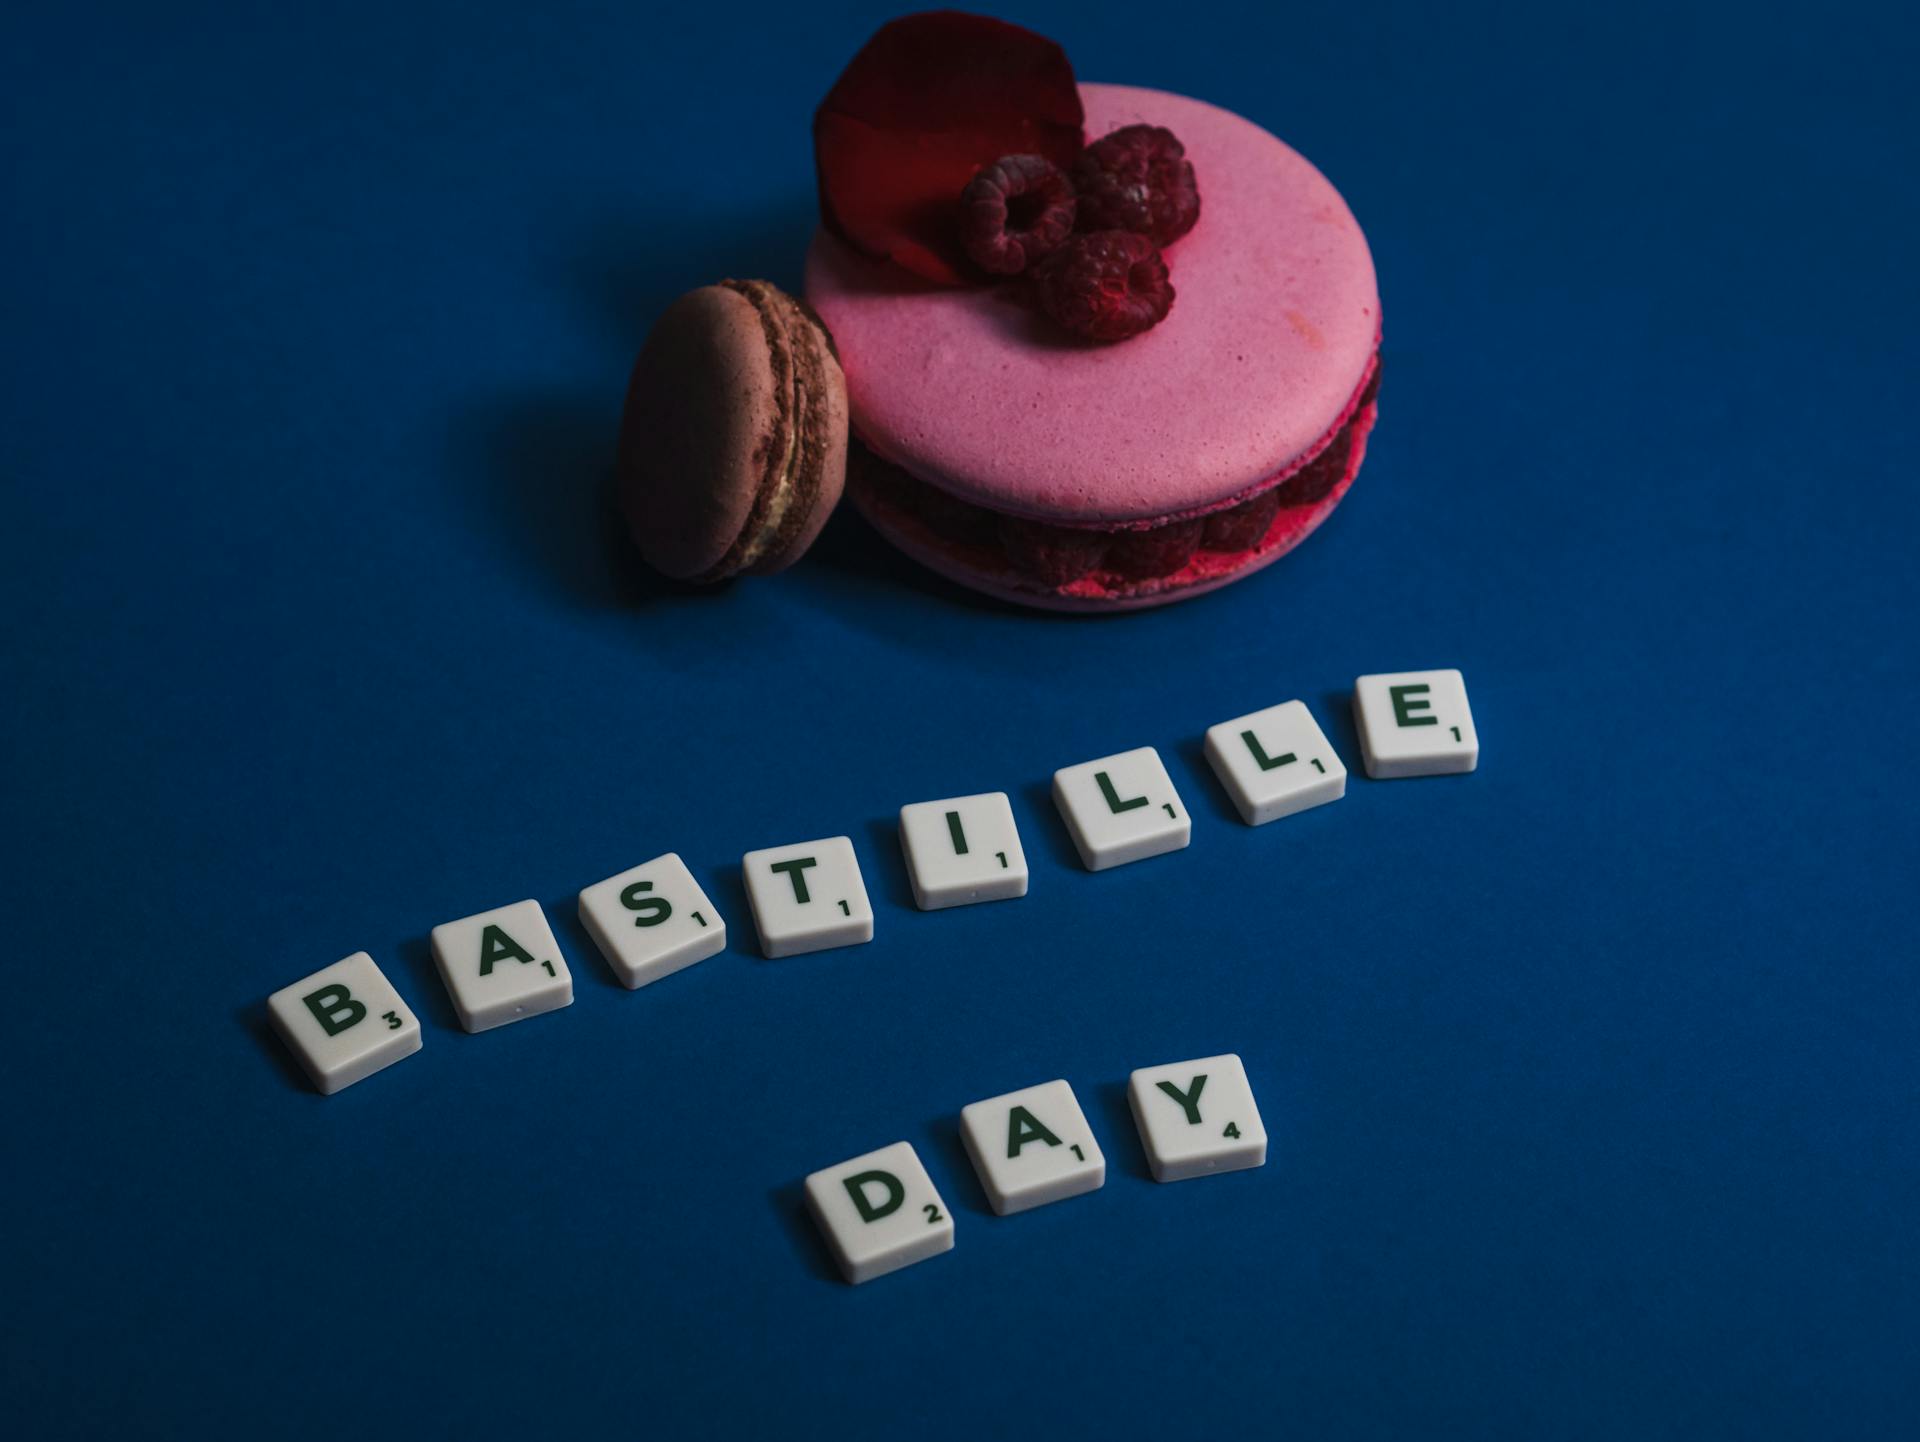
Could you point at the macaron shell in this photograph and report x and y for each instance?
(703, 405)
(1275, 321)
(1089, 596)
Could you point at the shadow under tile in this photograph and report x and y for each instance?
(1038, 796)
(254, 1021)
(577, 943)
(1120, 1138)
(1193, 751)
(1336, 716)
(416, 958)
(789, 1203)
(942, 1136)
(726, 887)
(883, 835)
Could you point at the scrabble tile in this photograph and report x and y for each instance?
(1197, 1118)
(1121, 808)
(962, 850)
(502, 965)
(1415, 723)
(880, 1212)
(1032, 1147)
(1275, 762)
(807, 897)
(652, 920)
(344, 1023)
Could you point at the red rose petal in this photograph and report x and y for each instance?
(929, 100)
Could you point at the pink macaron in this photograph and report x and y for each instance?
(1027, 464)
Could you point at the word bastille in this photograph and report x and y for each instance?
(347, 1022)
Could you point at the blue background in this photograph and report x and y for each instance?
(1591, 1078)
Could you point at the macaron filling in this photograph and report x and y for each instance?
(798, 352)
(1031, 554)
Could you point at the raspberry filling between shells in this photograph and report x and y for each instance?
(1050, 556)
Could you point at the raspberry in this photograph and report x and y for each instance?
(1054, 555)
(948, 517)
(1320, 475)
(1140, 555)
(1245, 525)
(1106, 286)
(1139, 179)
(1015, 212)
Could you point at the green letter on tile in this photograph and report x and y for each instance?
(793, 869)
(1267, 763)
(496, 945)
(653, 909)
(334, 1008)
(1023, 1127)
(958, 834)
(1114, 803)
(1403, 708)
(856, 1188)
(1189, 1099)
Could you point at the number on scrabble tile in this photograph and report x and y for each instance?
(1258, 760)
(807, 897)
(962, 850)
(1197, 1118)
(1032, 1147)
(344, 1023)
(879, 1212)
(1112, 808)
(1415, 723)
(502, 966)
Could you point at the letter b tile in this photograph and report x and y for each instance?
(880, 1212)
(344, 1023)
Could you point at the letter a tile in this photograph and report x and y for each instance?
(502, 966)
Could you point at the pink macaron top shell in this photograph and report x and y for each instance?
(1274, 324)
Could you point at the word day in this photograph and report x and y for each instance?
(880, 1212)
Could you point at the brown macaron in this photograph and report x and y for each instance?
(733, 443)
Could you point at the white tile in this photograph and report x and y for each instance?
(344, 1023)
(652, 920)
(880, 1212)
(1032, 1147)
(807, 897)
(962, 850)
(1197, 1118)
(1415, 723)
(502, 965)
(1121, 808)
(1275, 762)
